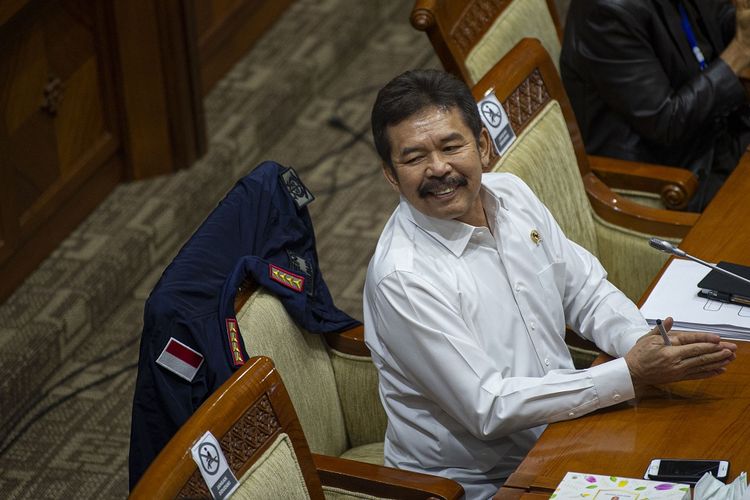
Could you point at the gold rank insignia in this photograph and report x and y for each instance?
(289, 280)
(233, 333)
(535, 236)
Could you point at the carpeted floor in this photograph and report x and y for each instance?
(69, 336)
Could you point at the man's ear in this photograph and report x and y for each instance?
(485, 149)
(389, 173)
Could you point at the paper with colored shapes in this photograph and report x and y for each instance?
(577, 485)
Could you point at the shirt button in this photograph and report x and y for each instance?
(518, 287)
(571, 414)
(546, 361)
(532, 325)
(616, 397)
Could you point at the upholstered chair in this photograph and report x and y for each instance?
(470, 36)
(255, 423)
(549, 156)
(332, 381)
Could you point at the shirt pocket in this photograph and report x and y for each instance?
(552, 279)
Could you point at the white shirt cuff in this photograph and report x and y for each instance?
(612, 382)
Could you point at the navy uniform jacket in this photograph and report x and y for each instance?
(262, 229)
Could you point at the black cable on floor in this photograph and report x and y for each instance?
(40, 398)
(60, 401)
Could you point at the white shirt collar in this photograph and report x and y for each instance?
(452, 234)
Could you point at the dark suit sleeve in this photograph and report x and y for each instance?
(615, 46)
(727, 23)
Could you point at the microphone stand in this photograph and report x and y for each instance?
(667, 247)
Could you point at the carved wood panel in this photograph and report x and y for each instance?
(92, 92)
(526, 101)
(58, 134)
(476, 19)
(226, 29)
(54, 107)
(253, 431)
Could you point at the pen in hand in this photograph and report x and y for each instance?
(663, 332)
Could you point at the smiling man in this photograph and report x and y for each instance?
(468, 294)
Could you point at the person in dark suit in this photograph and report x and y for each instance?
(657, 81)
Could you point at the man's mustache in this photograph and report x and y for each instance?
(434, 185)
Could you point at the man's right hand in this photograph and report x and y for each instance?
(691, 356)
(737, 53)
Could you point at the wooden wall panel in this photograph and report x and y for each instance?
(227, 29)
(56, 122)
(96, 92)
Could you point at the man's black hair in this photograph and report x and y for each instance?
(413, 91)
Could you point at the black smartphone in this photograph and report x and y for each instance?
(684, 470)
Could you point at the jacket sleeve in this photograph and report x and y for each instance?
(615, 47)
(727, 21)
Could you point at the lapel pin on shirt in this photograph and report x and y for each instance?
(535, 236)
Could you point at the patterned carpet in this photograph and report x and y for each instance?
(69, 336)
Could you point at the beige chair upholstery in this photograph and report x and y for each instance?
(471, 36)
(335, 393)
(548, 155)
(254, 422)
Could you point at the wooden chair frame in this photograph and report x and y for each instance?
(454, 28)
(350, 341)
(524, 81)
(246, 414)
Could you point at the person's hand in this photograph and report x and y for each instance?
(692, 355)
(742, 20)
(737, 53)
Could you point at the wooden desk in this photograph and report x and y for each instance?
(697, 419)
(505, 493)
(723, 231)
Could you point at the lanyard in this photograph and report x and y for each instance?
(688, 29)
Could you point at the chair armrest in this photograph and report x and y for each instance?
(349, 341)
(622, 212)
(382, 481)
(675, 186)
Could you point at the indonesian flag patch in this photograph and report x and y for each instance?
(180, 359)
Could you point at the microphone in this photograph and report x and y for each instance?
(667, 247)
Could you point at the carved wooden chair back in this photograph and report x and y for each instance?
(254, 421)
(332, 381)
(549, 156)
(470, 36)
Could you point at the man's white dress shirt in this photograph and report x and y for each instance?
(467, 329)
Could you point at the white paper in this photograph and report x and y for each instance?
(676, 295)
